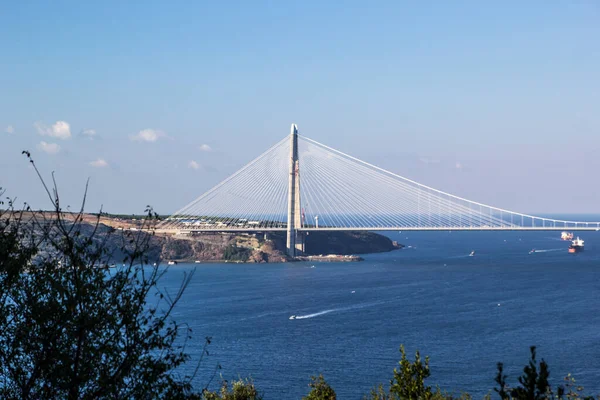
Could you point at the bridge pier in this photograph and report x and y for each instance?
(300, 240)
(294, 240)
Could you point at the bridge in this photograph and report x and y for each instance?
(300, 185)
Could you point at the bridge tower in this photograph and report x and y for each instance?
(295, 239)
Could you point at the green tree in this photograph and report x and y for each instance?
(242, 389)
(378, 393)
(501, 381)
(73, 328)
(408, 382)
(534, 382)
(235, 253)
(409, 378)
(320, 389)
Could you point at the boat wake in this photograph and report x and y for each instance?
(358, 306)
(460, 256)
(545, 251)
(316, 314)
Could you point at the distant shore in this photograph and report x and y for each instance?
(241, 247)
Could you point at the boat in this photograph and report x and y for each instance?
(566, 236)
(472, 253)
(532, 251)
(292, 317)
(576, 246)
(172, 262)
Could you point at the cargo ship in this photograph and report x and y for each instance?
(566, 236)
(576, 246)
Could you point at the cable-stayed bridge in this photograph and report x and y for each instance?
(300, 185)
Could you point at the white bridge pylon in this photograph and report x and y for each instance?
(339, 192)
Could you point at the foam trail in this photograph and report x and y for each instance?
(262, 315)
(317, 314)
(546, 251)
(354, 307)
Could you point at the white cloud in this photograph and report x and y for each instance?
(193, 165)
(99, 163)
(50, 148)
(9, 129)
(148, 135)
(205, 147)
(89, 133)
(60, 130)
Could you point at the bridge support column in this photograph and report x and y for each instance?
(295, 241)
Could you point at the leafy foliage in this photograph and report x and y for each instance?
(408, 383)
(242, 389)
(235, 253)
(70, 326)
(320, 389)
(534, 384)
(409, 379)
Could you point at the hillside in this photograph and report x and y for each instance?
(220, 247)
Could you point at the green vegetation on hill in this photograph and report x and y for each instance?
(347, 242)
(235, 253)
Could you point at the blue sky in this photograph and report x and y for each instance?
(494, 102)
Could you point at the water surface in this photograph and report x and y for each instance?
(466, 312)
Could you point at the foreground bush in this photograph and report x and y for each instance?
(408, 383)
(242, 389)
(320, 389)
(73, 328)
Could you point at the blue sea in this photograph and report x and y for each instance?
(466, 312)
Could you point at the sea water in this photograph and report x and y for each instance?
(466, 312)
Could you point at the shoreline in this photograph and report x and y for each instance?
(319, 258)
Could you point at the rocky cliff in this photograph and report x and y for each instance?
(258, 248)
(222, 247)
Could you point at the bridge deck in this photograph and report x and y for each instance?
(595, 227)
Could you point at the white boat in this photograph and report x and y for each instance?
(472, 253)
(576, 246)
(172, 262)
(293, 317)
